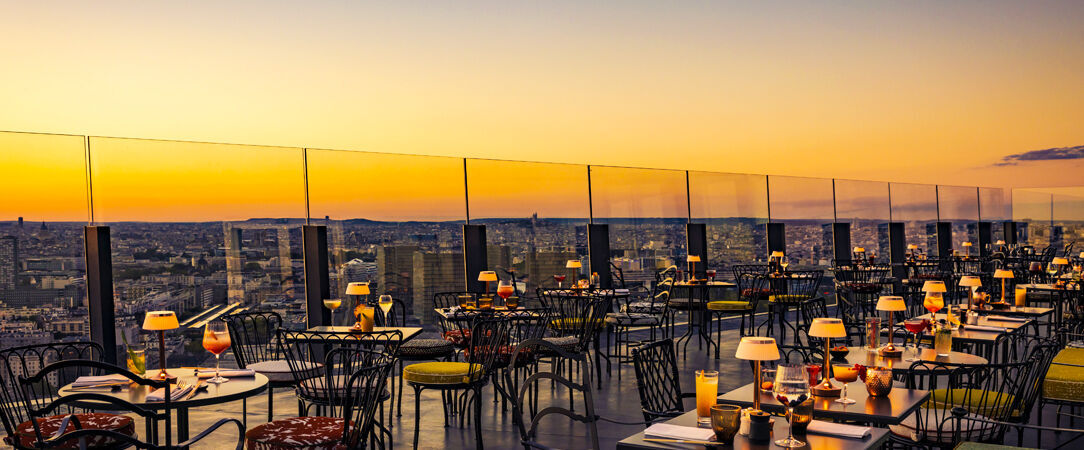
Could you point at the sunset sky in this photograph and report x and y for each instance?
(965, 93)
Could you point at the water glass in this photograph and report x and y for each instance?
(707, 392)
(725, 422)
(873, 332)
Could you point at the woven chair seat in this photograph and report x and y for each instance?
(309, 433)
(645, 308)
(930, 433)
(426, 349)
(632, 319)
(94, 421)
(723, 306)
(1065, 378)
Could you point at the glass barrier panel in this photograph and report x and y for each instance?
(647, 211)
(960, 206)
(536, 217)
(865, 205)
(735, 209)
(915, 205)
(202, 230)
(1033, 213)
(995, 207)
(42, 269)
(805, 206)
(1067, 227)
(395, 221)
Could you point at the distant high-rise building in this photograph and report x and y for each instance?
(1022, 235)
(931, 239)
(883, 245)
(20, 223)
(395, 270)
(542, 266)
(9, 263)
(433, 273)
(1057, 236)
(827, 245)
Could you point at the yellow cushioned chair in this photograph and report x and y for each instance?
(978, 401)
(442, 372)
(1065, 379)
(787, 298)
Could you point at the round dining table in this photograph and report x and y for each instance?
(212, 394)
(870, 358)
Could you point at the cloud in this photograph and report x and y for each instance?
(1044, 155)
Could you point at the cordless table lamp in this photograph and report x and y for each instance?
(692, 260)
(161, 321)
(574, 265)
(891, 303)
(757, 349)
(970, 282)
(1003, 274)
(827, 328)
(487, 276)
(358, 289)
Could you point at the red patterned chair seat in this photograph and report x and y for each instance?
(458, 338)
(505, 354)
(96, 421)
(751, 293)
(307, 433)
(863, 288)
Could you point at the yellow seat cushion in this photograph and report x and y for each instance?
(788, 298)
(573, 323)
(442, 372)
(978, 401)
(728, 306)
(1066, 382)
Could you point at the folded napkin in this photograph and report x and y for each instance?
(984, 328)
(174, 394)
(679, 432)
(621, 291)
(100, 379)
(208, 373)
(837, 429)
(1007, 318)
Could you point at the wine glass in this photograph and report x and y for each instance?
(333, 304)
(559, 279)
(505, 289)
(791, 388)
(216, 339)
(385, 303)
(845, 373)
(933, 303)
(784, 262)
(711, 275)
(915, 326)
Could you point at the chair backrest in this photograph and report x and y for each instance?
(307, 353)
(657, 380)
(448, 300)
(41, 397)
(579, 388)
(993, 391)
(489, 337)
(617, 276)
(754, 269)
(365, 382)
(802, 283)
(253, 336)
(27, 360)
(581, 316)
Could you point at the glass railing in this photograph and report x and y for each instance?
(203, 229)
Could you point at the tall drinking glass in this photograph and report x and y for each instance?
(216, 339)
(385, 303)
(707, 392)
(791, 388)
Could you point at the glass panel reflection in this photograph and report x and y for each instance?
(1033, 212)
(865, 205)
(1067, 227)
(735, 209)
(994, 207)
(42, 273)
(535, 215)
(960, 205)
(916, 206)
(647, 211)
(394, 221)
(805, 206)
(201, 230)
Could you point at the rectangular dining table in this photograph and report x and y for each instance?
(983, 340)
(408, 332)
(887, 410)
(876, 438)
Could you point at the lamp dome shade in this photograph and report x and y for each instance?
(970, 281)
(966, 244)
(891, 303)
(573, 264)
(160, 320)
(912, 247)
(777, 254)
(692, 258)
(999, 242)
(487, 275)
(859, 249)
(357, 288)
(755, 348)
(1002, 273)
(827, 327)
(1060, 261)
(934, 286)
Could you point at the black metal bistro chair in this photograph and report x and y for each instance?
(657, 381)
(523, 389)
(253, 343)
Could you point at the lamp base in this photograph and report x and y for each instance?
(822, 390)
(162, 375)
(890, 352)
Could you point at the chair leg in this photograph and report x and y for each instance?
(478, 417)
(270, 404)
(399, 412)
(244, 413)
(417, 412)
